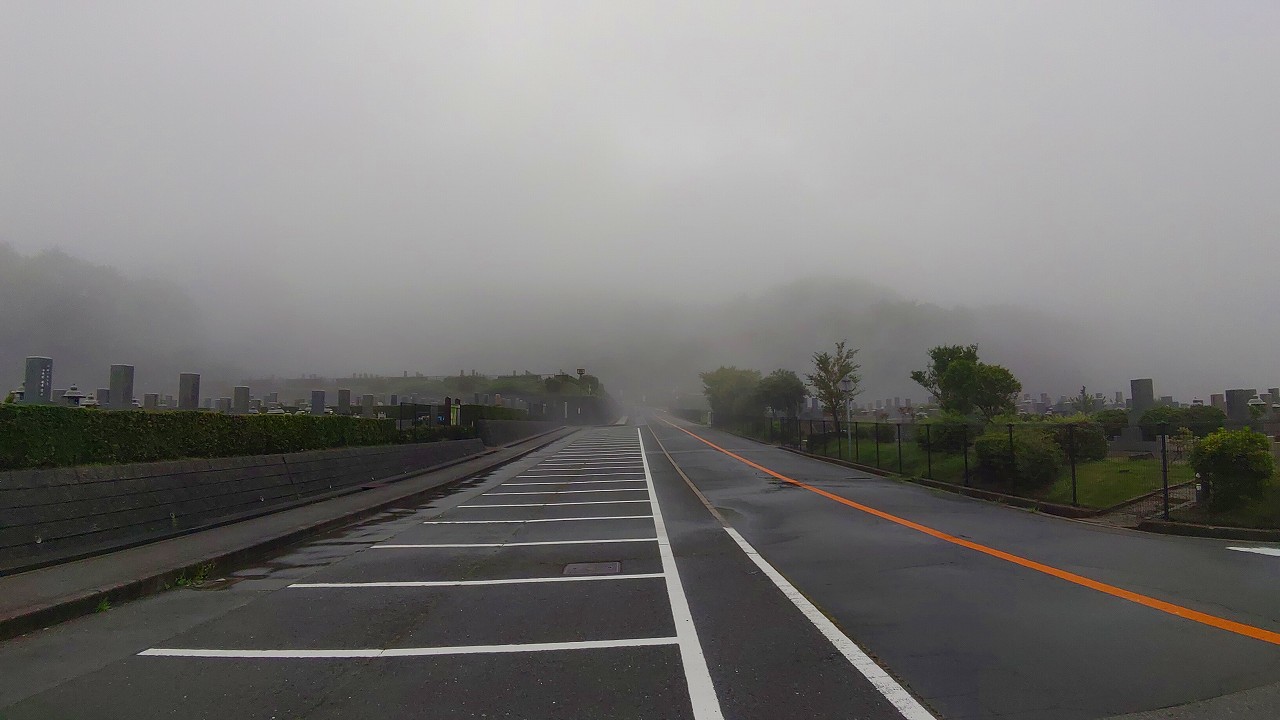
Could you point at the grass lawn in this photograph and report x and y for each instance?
(1264, 513)
(1103, 483)
(1100, 483)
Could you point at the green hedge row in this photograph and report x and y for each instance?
(33, 436)
(469, 414)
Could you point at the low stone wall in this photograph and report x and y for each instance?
(496, 433)
(58, 514)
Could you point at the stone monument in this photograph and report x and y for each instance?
(39, 385)
(122, 387)
(189, 391)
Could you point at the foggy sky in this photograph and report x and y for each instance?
(304, 169)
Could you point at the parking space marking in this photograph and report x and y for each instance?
(565, 492)
(1258, 550)
(573, 482)
(536, 520)
(637, 472)
(516, 544)
(553, 504)
(412, 652)
(467, 583)
(702, 693)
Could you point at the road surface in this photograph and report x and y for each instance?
(597, 578)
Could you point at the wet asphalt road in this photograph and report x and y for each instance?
(462, 608)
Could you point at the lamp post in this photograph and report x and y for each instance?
(846, 387)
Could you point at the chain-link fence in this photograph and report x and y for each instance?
(1069, 461)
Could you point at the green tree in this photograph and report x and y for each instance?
(782, 390)
(1084, 402)
(963, 384)
(829, 370)
(995, 391)
(933, 377)
(1112, 421)
(732, 392)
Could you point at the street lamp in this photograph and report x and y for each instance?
(846, 387)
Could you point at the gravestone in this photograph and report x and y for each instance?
(188, 391)
(151, 401)
(317, 402)
(38, 389)
(207, 404)
(1144, 395)
(224, 404)
(1238, 405)
(344, 401)
(366, 405)
(394, 400)
(240, 400)
(102, 396)
(122, 387)
(168, 401)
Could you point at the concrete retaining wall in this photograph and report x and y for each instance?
(58, 514)
(496, 433)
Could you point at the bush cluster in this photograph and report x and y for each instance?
(469, 414)
(1237, 465)
(1034, 461)
(33, 436)
(948, 433)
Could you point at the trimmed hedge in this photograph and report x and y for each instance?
(469, 414)
(1035, 461)
(35, 436)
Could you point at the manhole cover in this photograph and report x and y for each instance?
(593, 568)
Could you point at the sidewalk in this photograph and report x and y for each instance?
(39, 598)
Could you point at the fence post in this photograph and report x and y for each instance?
(964, 430)
(1164, 466)
(857, 456)
(928, 448)
(1071, 433)
(1013, 461)
(876, 431)
(840, 445)
(899, 448)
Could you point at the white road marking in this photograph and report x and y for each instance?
(702, 692)
(584, 466)
(556, 504)
(466, 583)
(538, 520)
(1258, 550)
(577, 475)
(516, 544)
(563, 492)
(910, 708)
(574, 482)
(409, 652)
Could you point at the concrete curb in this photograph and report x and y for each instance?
(83, 602)
(1169, 527)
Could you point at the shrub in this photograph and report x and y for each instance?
(1035, 461)
(1237, 465)
(1089, 439)
(947, 433)
(1201, 419)
(886, 432)
(1112, 421)
(469, 414)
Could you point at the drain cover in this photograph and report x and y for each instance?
(593, 568)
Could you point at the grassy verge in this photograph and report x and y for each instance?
(1264, 513)
(1099, 484)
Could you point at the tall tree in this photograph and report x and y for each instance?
(732, 392)
(782, 390)
(996, 391)
(934, 380)
(829, 369)
(1084, 402)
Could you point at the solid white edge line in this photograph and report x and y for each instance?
(702, 693)
(553, 504)
(1258, 550)
(910, 708)
(515, 544)
(409, 652)
(466, 583)
(611, 474)
(482, 522)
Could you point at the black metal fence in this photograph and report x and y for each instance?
(1078, 463)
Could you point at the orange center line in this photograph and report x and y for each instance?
(1250, 631)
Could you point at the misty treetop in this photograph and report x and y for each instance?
(830, 371)
(962, 384)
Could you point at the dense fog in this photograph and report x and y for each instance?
(646, 190)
